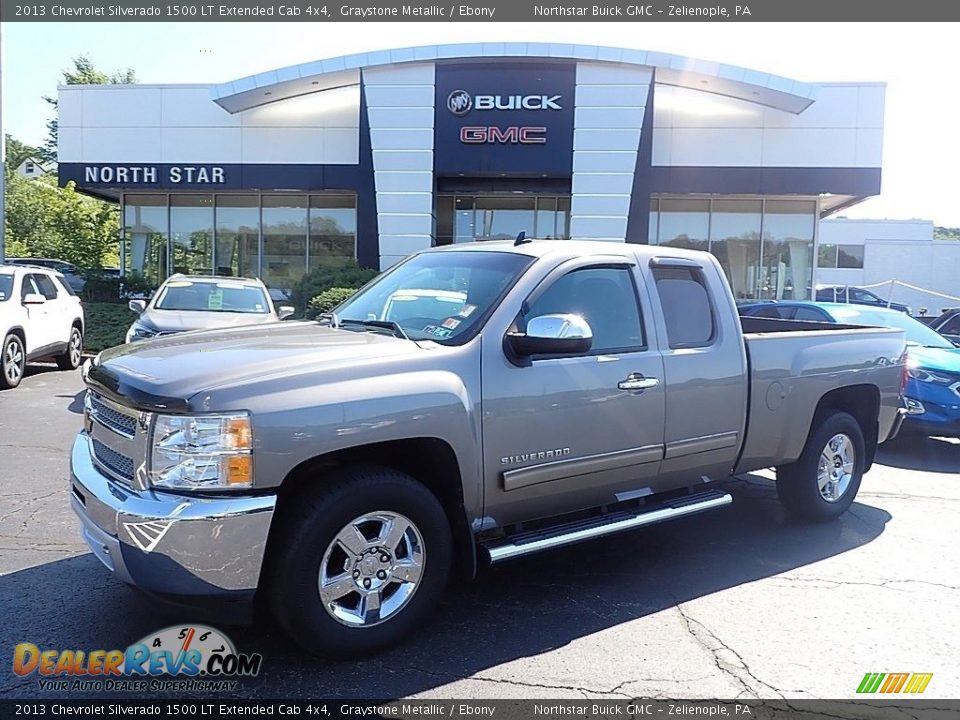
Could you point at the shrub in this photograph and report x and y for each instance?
(350, 275)
(136, 284)
(106, 325)
(100, 288)
(327, 301)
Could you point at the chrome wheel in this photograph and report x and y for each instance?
(371, 569)
(76, 347)
(835, 468)
(13, 361)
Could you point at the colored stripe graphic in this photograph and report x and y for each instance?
(894, 683)
(913, 683)
(918, 683)
(870, 682)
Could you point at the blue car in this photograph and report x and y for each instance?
(857, 296)
(933, 383)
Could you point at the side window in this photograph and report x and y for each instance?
(63, 285)
(952, 326)
(686, 307)
(809, 314)
(28, 286)
(46, 286)
(773, 311)
(603, 296)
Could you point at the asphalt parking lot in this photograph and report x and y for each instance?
(737, 603)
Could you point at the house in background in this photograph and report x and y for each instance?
(34, 168)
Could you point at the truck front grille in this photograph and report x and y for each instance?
(114, 419)
(118, 465)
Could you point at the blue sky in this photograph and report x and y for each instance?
(917, 61)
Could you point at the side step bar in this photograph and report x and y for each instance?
(580, 530)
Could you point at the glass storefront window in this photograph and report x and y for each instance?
(333, 229)
(191, 234)
(684, 223)
(735, 240)
(654, 226)
(238, 235)
(503, 218)
(787, 269)
(145, 236)
(468, 218)
(284, 242)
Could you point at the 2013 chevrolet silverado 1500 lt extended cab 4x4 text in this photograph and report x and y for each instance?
(474, 403)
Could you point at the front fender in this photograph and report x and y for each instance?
(294, 426)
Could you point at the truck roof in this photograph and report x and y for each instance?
(544, 248)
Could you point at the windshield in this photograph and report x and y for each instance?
(437, 296)
(213, 297)
(6, 287)
(917, 333)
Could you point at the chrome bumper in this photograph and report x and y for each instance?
(167, 544)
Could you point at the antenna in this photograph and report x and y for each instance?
(522, 239)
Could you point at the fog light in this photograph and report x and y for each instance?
(914, 407)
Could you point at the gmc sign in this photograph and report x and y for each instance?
(479, 135)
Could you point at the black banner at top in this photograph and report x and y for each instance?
(477, 11)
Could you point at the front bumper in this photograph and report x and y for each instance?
(177, 546)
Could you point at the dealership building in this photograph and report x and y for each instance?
(377, 155)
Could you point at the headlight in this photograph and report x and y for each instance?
(927, 376)
(201, 452)
(139, 332)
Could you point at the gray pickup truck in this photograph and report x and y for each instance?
(473, 404)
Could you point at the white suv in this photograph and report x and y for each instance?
(40, 317)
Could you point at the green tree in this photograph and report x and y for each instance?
(44, 220)
(946, 233)
(83, 73)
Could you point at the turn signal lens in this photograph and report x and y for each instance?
(239, 470)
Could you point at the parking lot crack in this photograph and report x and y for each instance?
(727, 660)
(587, 692)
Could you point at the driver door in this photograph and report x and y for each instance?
(564, 433)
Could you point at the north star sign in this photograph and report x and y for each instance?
(150, 174)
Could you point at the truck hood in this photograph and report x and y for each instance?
(163, 374)
(947, 359)
(172, 321)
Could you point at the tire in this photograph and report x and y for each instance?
(13, 360)
(310, 542)
(70, 360)
(819, 493)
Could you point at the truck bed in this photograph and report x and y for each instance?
(791, 364)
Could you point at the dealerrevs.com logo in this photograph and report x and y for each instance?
(192, 657)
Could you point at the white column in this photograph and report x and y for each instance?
(400, 100)
(610, 104)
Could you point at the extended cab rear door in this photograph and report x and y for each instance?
(572, 432)
(705, 368)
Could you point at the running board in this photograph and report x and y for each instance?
(580, 530)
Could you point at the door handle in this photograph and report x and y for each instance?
(636, 381)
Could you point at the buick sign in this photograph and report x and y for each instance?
(459, 102)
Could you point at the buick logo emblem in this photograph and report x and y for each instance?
(459, 102)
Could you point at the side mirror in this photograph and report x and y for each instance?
(285, 311)
(34, 299)
(552, 335)
(138, 306)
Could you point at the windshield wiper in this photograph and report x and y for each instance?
(388, 325)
